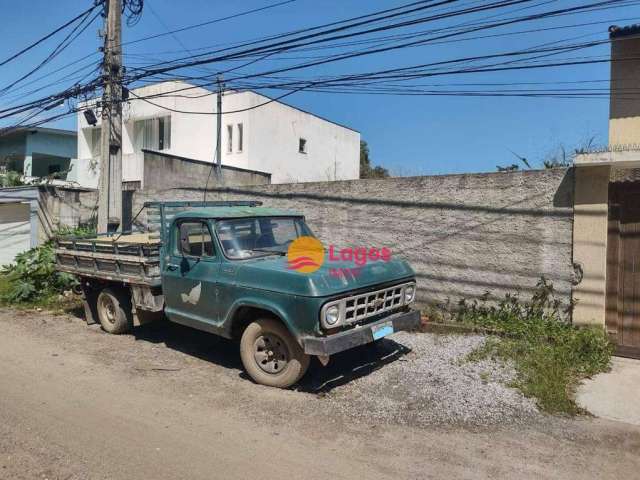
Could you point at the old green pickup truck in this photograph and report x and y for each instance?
(224, 268)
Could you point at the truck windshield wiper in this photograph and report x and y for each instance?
(272, 252)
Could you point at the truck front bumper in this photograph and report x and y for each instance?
(359, 335)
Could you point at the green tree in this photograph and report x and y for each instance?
(11, 179)
(366, 170)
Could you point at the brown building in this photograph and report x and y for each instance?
(607, 208)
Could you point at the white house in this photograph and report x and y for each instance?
(263, 135)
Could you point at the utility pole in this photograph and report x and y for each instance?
(110, 187)
(219, 132)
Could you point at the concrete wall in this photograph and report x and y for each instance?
(464, 234)
(624, 115)
(30, 196)
(66, 207)
(590, 243)
(163, 171)
(270, 138)
(50, 208)
(84, 172)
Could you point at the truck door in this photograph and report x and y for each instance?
(190, 276)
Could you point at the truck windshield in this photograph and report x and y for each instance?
(243, 238)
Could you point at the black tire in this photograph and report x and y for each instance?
(271, 355)
(114, 311)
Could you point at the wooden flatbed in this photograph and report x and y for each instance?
(132, 258)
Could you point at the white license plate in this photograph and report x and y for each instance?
(382, 330)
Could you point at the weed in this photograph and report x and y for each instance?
(550, 355)
(32, 279)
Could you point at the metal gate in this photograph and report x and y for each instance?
(623, 268)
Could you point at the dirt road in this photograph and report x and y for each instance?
(167, 403)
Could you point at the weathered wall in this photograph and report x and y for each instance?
(65, 207)
(162, 171)
(463, 234)
(590, 242)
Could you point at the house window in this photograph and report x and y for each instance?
(302, 145)
(164, 133)
(96, 134)
(240, 137)
(153, 133)
(229, 138)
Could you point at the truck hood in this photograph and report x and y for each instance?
(272, 273)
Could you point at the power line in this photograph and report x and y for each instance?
(209, 22)
(361, 82)
(343, 57)
(59, 48)
(50, 34)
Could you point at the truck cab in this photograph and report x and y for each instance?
(261, 276)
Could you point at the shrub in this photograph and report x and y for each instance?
(32, 277)
(11, 179)
(550, 355)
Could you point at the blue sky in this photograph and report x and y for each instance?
(408, 135)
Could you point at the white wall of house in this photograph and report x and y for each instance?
(270, 143)
(331, 152)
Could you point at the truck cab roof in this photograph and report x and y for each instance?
(236, 212)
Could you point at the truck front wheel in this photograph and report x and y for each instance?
(114, 311)
(271, 355)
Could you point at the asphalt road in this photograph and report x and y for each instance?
(79, 404)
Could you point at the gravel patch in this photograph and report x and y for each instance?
(407, 379)
(429, 381)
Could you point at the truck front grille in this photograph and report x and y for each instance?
(356, 308)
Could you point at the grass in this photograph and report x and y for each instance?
(550, 355)
(54, 302)
(32, 280)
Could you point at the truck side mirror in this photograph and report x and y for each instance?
(185, 246)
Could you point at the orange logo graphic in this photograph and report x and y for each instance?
(305, 255)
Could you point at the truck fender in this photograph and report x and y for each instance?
(272, 308)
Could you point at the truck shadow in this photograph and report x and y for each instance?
(202, 345)
(342, 368)
(351, 365)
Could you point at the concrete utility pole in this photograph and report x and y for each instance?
(219, 132)
(110, 187)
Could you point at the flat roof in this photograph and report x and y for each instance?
(620, 158)
(237, 212)
(53, 131)
(616, 32)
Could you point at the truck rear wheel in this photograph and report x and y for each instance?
(114, 311)
(271, 355)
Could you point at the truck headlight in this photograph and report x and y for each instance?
(332, 315)
(409, 293)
